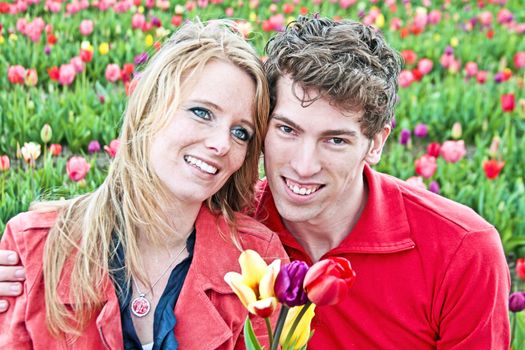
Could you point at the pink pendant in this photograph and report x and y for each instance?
(140, 306)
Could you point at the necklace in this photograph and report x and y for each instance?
(140, 306)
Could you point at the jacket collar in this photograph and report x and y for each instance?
(381, 229)
(212, 249)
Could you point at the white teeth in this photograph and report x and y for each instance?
(201, 165)
(303, 190)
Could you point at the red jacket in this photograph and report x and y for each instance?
(209, 315)
(431, 274)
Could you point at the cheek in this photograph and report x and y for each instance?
(237, 158)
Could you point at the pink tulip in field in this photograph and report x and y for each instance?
(425, 66)
(66, 74)
(78, 64)
(16, 74)
(112, 72)
(426, 166)
(31, 77)
(53, 6)
(471, 69)
(112, 148)
(485, 18)
(77, 168)
(434, 17)
(453, 151)
(481, 77)
(519, 60)
(86, 27)
(406, 78)
(4, 163)
(137, 21)
(416, 181)
(504, 16)
(21, 24)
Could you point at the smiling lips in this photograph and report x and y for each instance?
(300, 189)
(207, 168)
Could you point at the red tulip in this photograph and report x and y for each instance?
(507, 102)
(328, 281)
(492, 168)
(409, 56)
(53, 73)
(433, 149)
(520, 268)
(55, 149)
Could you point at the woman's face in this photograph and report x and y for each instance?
(207, 138)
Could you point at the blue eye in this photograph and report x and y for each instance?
(337, 141)
(202, 113)
(286, 129)
(241, 133)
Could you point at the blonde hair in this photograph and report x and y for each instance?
(132, 194)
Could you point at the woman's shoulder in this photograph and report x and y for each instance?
(28, 230)
(258, 237)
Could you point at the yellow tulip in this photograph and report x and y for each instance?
(254, 285)
(380, 21)
(103, 48)
(2, 40)
(149, 40)
(302, 332)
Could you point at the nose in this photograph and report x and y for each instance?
(305, 160)
(219, 141)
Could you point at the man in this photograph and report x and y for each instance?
(431, 274)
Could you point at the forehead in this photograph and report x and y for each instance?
(319, 115)
(223, 84)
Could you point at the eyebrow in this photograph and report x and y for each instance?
(218, 108)
(333, 132)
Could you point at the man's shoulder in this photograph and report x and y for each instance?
(428, 208)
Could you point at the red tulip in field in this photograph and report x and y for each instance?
(16, 74)
(433, 149)
(77, 168)
(492, 168)
(520, 268)
(328, 281)
(508, 102)
(55, 149)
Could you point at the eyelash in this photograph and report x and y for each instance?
(343, 141)
(246, 136)
(285, 129)
(197, 110)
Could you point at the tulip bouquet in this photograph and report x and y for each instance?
(296, 287)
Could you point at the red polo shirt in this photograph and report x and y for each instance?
(431, 274)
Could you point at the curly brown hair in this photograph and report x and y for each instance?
(347, 62)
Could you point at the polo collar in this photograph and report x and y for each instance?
(382, 228)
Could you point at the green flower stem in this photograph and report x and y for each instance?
(269, 328)
(296, 323)
(512, 327)
(279, 326)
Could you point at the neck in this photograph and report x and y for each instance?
(326, 231)
(179, 222)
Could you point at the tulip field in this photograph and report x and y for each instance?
(66, 68)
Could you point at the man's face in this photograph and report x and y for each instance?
(314, 157)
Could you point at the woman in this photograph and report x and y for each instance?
(97, 265)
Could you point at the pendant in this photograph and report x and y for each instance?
(140, 306)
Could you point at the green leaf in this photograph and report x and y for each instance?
(250, 340)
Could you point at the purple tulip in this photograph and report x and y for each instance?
(421, 130)
(140, 58)
(289, 284)
(93, 147)
(404, 136)
(47, 50)
(449, 51)
(393, 122)
(517, 302)
(434, 187)
(498, 77)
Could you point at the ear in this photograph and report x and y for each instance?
(376, 145)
